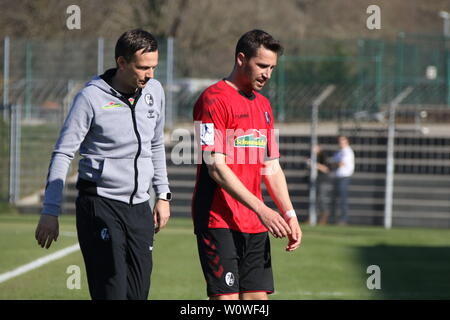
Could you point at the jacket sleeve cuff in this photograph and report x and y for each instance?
(51, 210)
(162, 188)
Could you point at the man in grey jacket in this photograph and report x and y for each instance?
(117, 124)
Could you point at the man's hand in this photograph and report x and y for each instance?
(47, 230)
(274, 222)
(161, 214)
(295, 237)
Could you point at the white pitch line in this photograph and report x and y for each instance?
(68, 234)
(38, 263)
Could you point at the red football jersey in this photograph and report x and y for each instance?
(241, 127)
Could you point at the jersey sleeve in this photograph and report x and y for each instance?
(211, 123)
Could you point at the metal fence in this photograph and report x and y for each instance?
(40, 78)
(370, 73)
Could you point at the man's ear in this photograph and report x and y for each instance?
(121, 62)
(241, 59)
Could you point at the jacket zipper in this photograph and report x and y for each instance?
(138, 136)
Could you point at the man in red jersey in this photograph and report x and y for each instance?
(235, 126)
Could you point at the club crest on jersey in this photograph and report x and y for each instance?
(148, 99)
(207, 134)
(253, 140)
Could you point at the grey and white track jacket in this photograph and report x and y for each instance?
(121, 143)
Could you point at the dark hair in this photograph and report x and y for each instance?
(252, 40)
(135, 40)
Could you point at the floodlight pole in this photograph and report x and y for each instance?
(5, 78)
(388, 200)
(169, 83)
(446, 25)
(313, 165)
(100, 55)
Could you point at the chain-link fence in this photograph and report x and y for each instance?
(400, 165)
(370, 74)
(40, 78)
(39, 81)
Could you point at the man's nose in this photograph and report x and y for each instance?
(149, 74)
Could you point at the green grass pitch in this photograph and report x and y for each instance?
(331, 263)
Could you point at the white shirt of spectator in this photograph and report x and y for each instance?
(347, 157)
